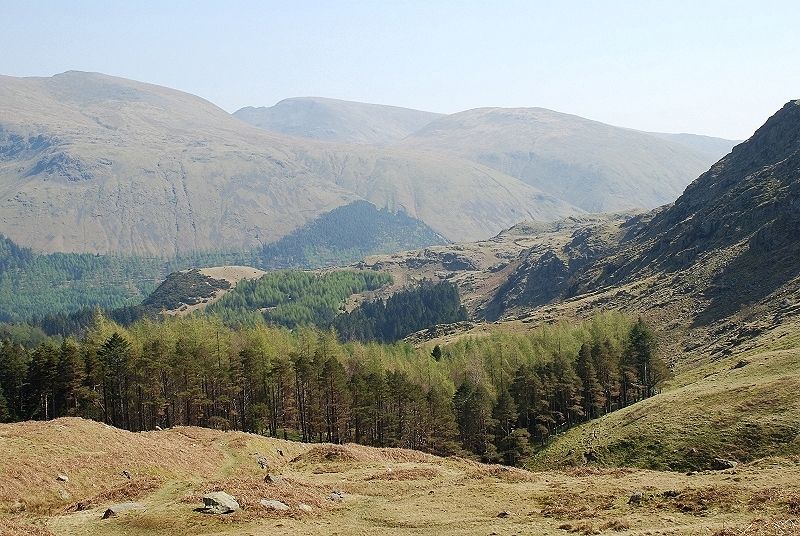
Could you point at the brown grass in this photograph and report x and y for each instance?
(351, 452)
(249, 491)
(414, 473)
(18, 527)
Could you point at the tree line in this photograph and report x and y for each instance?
(494, 397)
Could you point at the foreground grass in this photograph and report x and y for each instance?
(393, 491)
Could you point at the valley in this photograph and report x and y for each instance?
(354, 317)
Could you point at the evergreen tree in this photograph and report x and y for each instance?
(593, 396)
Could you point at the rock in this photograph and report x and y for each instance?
(504, 514)
(121, 508)
(219, 502)
(336, 495)
(126, 474)
(263, 462)
(742, 363)
(304, 508)
(636, 498)
(721, 464)
(589, 456)
(280, 452)
(273, 505)
(272, 479)
(158, 428)
(62, 478)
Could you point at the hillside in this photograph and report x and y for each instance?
(346, 235)
(99, 164)
(337, 120)
(597, 167)
(392, 490)
(713, 269)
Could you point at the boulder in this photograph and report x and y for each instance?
(304, 508)
(263, 462)
(721, 464)
(336, 495)
(62, 478)
(272, 478)
(504, 514)
(219, 502)
(273, 505)
(636, 498)
(117, 509)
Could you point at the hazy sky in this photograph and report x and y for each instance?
(709, 67)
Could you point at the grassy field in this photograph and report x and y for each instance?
(391, 490)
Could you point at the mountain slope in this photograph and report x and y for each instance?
(715, 268)
(714, 148)
(337, 120)
(594, 166)
(95, 163)
(346, 235)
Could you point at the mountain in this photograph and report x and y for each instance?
(346, 235)
(717, 267)
(337, 120)
(713, 147)
(597, 167)
(94, 163)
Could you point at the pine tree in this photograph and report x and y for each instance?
(593, 396)
(71, 378)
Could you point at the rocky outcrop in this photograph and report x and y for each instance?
(219, 502)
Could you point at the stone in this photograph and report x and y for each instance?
(117, 509)
(280, 452)
(721, 464)
(126, 474)
(336, 495)
(219, 502)
(304, 508)
(636, 498)
(158, 428)
(272, 478)
(273, 505)
(62, 478)
(504, 514)
(263, 462)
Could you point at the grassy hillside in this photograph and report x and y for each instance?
(742, 408)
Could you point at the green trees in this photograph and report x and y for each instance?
(494, 397)
(402, 314)
(293, 298)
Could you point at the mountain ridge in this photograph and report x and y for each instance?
(105, 164)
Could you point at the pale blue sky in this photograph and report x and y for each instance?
(709, 67)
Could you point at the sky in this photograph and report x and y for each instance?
(710, 67)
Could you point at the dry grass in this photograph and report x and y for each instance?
(352, 452)
(21, 527)
(412, 473)
(390, 490)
